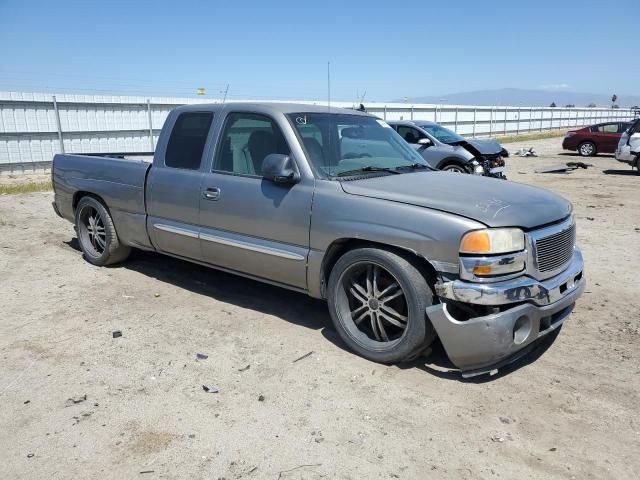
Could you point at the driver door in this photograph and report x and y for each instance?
(412, 135)
(249, 224)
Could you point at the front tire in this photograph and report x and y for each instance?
(587, 149)
(454, 168)
(377, 301)
(97, 235)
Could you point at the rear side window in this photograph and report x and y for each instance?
(187, 140)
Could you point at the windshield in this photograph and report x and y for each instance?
(340, 144)
(442, 134)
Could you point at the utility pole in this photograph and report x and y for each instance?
(226, 91)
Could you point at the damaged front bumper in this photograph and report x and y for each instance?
(482, 344)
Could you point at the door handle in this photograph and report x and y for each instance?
(212, 193)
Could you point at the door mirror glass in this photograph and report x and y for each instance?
(425, 142)
(280, 168)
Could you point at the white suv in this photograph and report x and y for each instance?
(628, 150)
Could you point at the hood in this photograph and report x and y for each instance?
(480, 147)
(491, 201)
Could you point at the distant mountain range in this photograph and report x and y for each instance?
(517, 97)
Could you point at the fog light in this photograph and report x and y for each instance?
(521, 329)
(478, 170)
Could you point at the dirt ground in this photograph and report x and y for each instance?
(78, 403)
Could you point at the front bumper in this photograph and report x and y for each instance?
(481, 344)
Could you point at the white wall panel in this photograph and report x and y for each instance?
(108, 123)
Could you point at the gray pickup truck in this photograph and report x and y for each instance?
(334, 203)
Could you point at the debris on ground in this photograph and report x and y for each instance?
(296, 468)
(566, 168)
(30, 455)
(579, 165)
(526, 152)
(26, 401)
(555, 169)
(210, 389)
(497, 438)
(201, 356)
(76, 400)
(156, 295)
(147, 471)
(116, 334)
(303, 356)
(244, 369)
(261, 398)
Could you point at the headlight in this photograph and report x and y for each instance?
(492, 253)
(492, 241)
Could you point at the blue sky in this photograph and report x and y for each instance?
(280, 49)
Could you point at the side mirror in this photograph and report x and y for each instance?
(425, 142)
(280, 169)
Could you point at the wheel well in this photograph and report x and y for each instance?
(81, 194)
(342, 246)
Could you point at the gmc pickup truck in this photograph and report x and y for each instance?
(334, 203)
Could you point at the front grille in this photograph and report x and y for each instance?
(555, 250)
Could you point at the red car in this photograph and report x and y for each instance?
(600, 138)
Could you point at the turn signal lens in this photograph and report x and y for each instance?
(482, 270)
(476, 242)
(493, 241)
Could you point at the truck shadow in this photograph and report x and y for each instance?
(293, 307)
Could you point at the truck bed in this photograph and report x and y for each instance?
(119, 182)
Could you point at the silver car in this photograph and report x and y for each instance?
(444, 149)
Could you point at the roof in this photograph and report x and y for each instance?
(270, 107)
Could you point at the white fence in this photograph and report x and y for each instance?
(35, 126)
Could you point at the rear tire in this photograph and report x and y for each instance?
(97, 235)
(587, 149)
(377, 300)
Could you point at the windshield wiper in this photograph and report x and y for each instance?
(368, 168)
(413, 166)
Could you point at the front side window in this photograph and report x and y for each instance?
(337, 144)
(410, 134)
(187, 140)
(443, 135)
(246, 140)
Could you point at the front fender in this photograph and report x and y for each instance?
(336, 216)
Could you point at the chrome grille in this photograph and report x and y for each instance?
(555, 251)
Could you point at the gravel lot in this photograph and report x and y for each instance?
(78, 403)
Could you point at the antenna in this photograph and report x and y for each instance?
(329, 86)
(225, 93)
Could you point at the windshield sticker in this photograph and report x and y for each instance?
(383, 123)
(301, 120)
